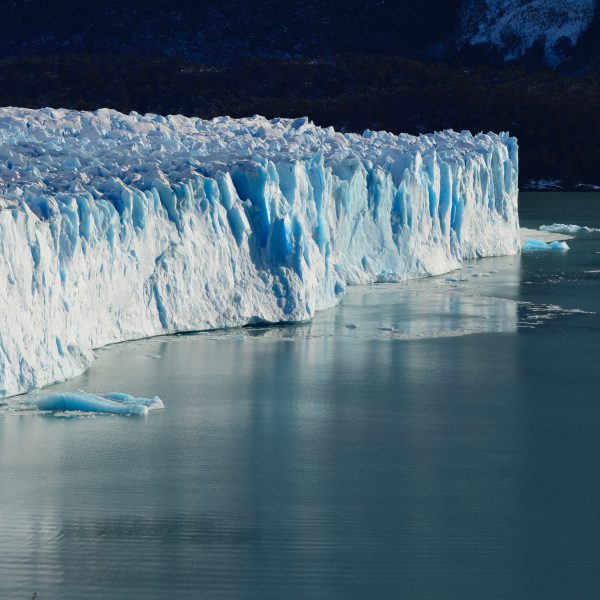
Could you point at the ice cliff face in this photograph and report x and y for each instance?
(514, 26)
(116, 227)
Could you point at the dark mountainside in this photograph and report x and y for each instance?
(217, 32)
(407, 65)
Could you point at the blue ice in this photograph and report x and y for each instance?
(114, 403)
(539, 246)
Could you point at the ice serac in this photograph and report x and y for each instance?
(116, 227)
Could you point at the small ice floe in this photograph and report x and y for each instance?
(114, 403)
(526, 234)
(532, 245)
(568, 229)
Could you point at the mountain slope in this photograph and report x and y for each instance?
(514, 27)
(555, 117)
(216, 32)
(400, 65)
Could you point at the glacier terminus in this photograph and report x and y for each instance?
(116, 227)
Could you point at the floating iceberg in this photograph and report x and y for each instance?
(568, 229)
(114, 403)
(541, 246)
(117, 227)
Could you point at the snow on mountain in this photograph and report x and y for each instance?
(116, 227)
(113, 403)
(514, 26)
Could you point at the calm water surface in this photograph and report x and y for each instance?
(436, 440)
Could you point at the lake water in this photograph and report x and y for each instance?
(434, 440)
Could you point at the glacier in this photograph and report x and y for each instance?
(116, 227)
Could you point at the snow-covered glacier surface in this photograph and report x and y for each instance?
(116, 227)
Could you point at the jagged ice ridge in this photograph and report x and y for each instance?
(117, 227)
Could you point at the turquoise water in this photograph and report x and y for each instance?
(435, 440)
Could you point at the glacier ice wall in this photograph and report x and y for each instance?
(117, 227)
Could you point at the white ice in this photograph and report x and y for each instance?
(568, 229)
(117, 227)
(543, 236)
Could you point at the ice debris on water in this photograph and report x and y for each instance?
(532, 315)
(568, 229)
(114, 403)
(127, 226)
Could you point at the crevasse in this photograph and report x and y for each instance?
(116, 227)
